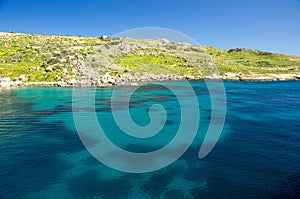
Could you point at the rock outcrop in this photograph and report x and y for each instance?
(261, 77)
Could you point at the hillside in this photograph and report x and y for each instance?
(104, 60)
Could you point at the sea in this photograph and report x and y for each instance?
(47, 137)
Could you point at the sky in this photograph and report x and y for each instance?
(269, 25)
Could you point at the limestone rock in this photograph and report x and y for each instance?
(108, 79)
(71, 81)
(105, 38)
(5, 79)
(14, 58)
(22, 78)
(49, 68)
(34, 68)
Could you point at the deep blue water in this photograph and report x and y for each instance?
(257, 156)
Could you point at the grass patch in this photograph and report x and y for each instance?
(156, 64)
(253, 61)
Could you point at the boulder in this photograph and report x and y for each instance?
(106, 76)
(104, 37)
(111, 80)
(71, 81)
(22, 78)
(213, 76)
(34, 68)
(14, 58)
(107, 79)
(49, 68)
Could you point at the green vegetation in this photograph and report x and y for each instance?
(253, 61)
(40, 57)
(36, 58)
(157, 64)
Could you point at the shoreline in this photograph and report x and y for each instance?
(227, 77)
(261, 77)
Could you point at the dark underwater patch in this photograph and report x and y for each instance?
(157, 184)
(89, 184)
(174, 194)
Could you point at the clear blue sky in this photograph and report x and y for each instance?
(271, 25)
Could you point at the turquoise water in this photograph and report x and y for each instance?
(257, 156)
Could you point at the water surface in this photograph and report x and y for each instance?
(257, 156)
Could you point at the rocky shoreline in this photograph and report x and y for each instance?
(261, 77)
(128, 79)
(105, 80)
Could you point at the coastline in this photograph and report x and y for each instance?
(261, 77)
(66, 61)
(115, 81)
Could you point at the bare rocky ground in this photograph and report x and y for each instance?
(261, 77)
